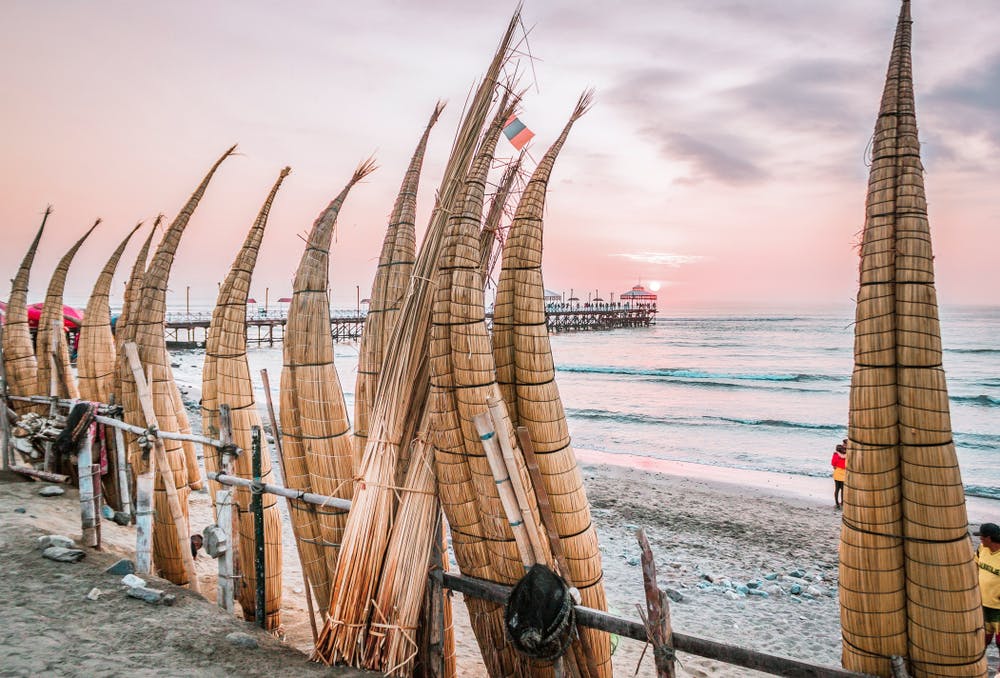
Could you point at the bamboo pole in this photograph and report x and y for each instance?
(276, 434)
(180, 523)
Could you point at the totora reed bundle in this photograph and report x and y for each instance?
(526, 373)
(146, 329)
(130, 300)
(316, 446)
(392, 278)
(18, 351)
(96, 355)
(908, 586)
(398, 407)
(52, 314)
(491, 232)
(463, 378)
(96, 358)
(226, 380)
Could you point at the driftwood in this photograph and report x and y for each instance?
(657, 616)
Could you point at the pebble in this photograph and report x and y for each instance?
(94, 594)
(20, 510)
(733, 595)
(142, 593)
(771, 576)
(674, 595)
(240, 639)
(51, 491)
(758, 592)
(816, 591)
(133, 581)
(55, 540)
(795, 590)
(107, 512)
(799, 574)
(63, 555)
(753, 584)
(632, 560)
(123, 566)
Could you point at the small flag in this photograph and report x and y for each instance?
(516, 132)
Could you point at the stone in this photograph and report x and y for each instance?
(799, 574)
(632, 560)
(771, 576)
(773, 590)
(51, 491)
(753, 584)
(148, 595)
(708, 577)
(733, 595)
(674, 595)
(107, 512)
(20, 510)
(121, 518)
(63, 555)
(816, 591)
(758, 592)
(123, 566)
(795, 590)
(168, 599)
(240, 639)
(133, 581)
(55, 540)
(94, 594)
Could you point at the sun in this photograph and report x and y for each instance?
(654, 285)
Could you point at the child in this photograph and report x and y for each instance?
(839, 463)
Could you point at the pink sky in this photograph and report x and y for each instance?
(724, 156)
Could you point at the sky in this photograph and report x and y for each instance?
(723, 161)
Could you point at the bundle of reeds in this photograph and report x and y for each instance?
(146, 329)
(490, 234)
(18, 351)
(52, 314)
(316, 448)
(130, 300)
(907, 583)
(526, 373)
(96, 354)
(226, 380)
(96, 359)
(392, 277)
(399, 404)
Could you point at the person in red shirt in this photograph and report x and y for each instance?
(839, 463)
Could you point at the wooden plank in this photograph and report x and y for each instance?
(124, 491)
(163, 466)
(626, 628)
(224, 591)
(657, 613)
(88, 517)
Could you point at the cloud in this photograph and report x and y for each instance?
(965, 106)
(661, 258)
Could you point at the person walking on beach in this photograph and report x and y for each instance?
(988, 561)
(839, 463)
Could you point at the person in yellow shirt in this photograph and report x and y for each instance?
(988, 561)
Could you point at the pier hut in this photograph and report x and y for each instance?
(639, 296)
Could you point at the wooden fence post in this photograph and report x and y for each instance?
(54, 366)
(124, 492)
(232, 528)
(657, 617)
(85, 471)
(257, 501)
(5, 441)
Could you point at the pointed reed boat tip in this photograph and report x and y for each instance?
(438, 107)
(583, 105)
(285, 172)
(364, 169)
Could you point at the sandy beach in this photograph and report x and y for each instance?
(722, 539)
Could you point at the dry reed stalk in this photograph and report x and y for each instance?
(52, 312)
(96, 358)
(399, 403)
(226, 379)
(908, 586)
(490, 233)
(314, 424)
(392, 277)
(392, 645)
(18, 350)
(526, 373)
(130, 300)
(146, 328)
(96, 354)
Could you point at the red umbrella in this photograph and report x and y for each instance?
(72, 318)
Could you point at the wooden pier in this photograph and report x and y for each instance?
(188, 330)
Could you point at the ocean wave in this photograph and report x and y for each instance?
(981, 400)
(689, 374)
(983, 491)
(645, 419)
(974, 351)
(780, 423)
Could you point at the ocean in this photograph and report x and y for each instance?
(762, 391)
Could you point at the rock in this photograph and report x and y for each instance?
(94, 594)
(152, 596)
(798, 574)
(733, 595)
(816, 591)
(123, 566)
(758, 592)
(708, 577)
(63, 555)
(753, 584)
(773, 590)
(674, 595)
(20, 510)
(121, 518)
(795, 590)
(168, 599)
(240, 639)
(631, 528)
(55, 540)
(107, 512)
(51, 491)
(133, 581)
(771, 576)
(632, 560)
(743, 589)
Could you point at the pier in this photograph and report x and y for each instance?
(188, 330)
